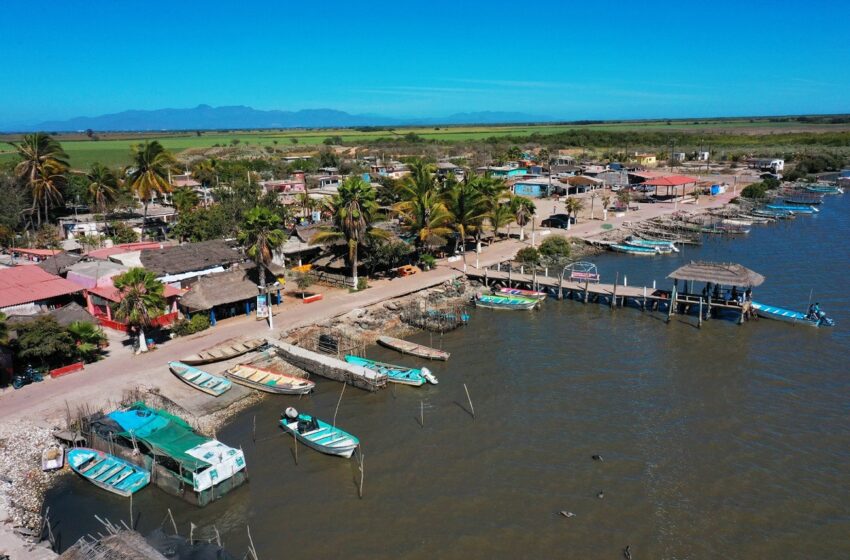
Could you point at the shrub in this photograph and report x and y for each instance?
(183, 327)
(362, 283)
(528, 255)
(754, 191)
(428, 260)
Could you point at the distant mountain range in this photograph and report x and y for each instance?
(205, 117)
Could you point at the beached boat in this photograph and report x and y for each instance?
(523, 293)
(107, 471)
(752, 218)
(736, 222)
(726, 229)
(395, 373)
(495, 301)
(824, 189)
(633, 250)
(269, 381)
(789, 316)
(200, 380)
(224, 351)
(774, 214)
(803, 198)
(52, 458)
(407, 347)
(318, 435)
(797, 209)
(661, 243)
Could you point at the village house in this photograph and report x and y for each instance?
(101, 299)
(645, 160)
(393, 170)
(446, 168)
(180, 265)
(186, 180)
(227, 294)
(504, 171)
(773, 165)
(536, 187)
(28, 290)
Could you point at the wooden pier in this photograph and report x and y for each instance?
(614, 295)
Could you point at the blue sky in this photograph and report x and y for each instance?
(566, 60)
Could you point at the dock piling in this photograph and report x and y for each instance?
(468, 398)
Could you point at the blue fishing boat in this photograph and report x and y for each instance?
(631, 250)
(317, 434)
(397, 374)
(824, 189)
(107, 471)
(789, 316)
(660, 243)
(803, 198)
(797, 209)
(200, 380)
(505, 302)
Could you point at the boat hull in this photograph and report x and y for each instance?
(412, 349)
(199, 379)
(395, 373)
(523, 293)
(107, 471)
(506, 303)
(268, 381)
(784, 315)
(224, 352)
(325, 439)
(631, 250)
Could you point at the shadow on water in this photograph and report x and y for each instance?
(722, 442)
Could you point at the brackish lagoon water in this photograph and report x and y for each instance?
(722, 442)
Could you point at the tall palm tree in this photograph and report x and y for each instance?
(421, 209)
(523, 210)
(574, 206)
(4, 328)
(468, 209)
(261, 235)
(103, 186)
(149, 173)
(89, 338)
(141, 300)
(42, 167)
(353, 209)
(500, 215)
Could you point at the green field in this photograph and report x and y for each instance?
(114, 148)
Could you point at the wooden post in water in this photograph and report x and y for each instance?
(471, 408)
(614, 292)
(509, 275)
(485, 277)
(362, 474)
(586, 288)
(643, 305)
(254, 429)
(672, 303)
(421, 414)
(699, 321)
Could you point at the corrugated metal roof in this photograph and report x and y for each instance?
(25, 284)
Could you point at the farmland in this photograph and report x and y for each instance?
(114, 148)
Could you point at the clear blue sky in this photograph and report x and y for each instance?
(563, 59)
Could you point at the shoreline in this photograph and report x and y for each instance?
(42, 408)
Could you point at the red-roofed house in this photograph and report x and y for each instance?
(27, 290)
(107, 252)
(99, 302)
(35, 255)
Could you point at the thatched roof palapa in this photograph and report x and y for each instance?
(190, 257)
(725, 274)
(221, 288)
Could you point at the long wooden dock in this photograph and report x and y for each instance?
(614, 295)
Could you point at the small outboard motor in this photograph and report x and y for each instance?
(290, 414)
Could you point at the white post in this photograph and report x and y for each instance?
(625, 281)
(653, 284)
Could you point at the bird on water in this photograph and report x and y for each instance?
(597, 458)
(627, 552)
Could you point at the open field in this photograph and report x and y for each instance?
(114, 148)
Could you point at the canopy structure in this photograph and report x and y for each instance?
(725, 274)
(672, 181)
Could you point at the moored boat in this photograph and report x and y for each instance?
(52, 458)
(803, 198)
(107, 471)
(775, 214)
(407, 347)
(660, 243)
(200, 379)
(632, 250)
(523, 293)
(789, 316)
(269, 381)
(317, 434)
(824, 189)
(495, 301)
(395, 373)
(797, 209)
(224, 351)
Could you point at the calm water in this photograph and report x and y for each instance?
(729, 441)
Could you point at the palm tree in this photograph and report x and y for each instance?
(468, 209)
(523, 210)
(261, 236)
(421, 209)
(500, 215)
(149, 173)
(88, 337)
(103, 186)
(42, 167)
(184, 199)
(353, 209)
(574, 206)
(606, 202)
(141, 300)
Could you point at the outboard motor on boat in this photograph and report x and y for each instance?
(290, 414)
(824, 321)
(430, 377)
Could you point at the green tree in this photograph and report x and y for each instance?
(149, 173)
(555, 253)
(574, 206)
(45, 341)
(206, 172)
(756, 191)
(528, 255)
(303, 281)
(523, 209)
(141, 300)
(501, 214)
(422, 210)
(353, 209)
(261, 236)
(42, 168)
(4, 329)
(468, 209)
(184, 199)
(103, 186)
(88, 338)
(119, 233)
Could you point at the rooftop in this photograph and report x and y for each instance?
(190, 257)
(725, 274)
(26, 284)
(221, 288)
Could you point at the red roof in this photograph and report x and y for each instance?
(111, 293)
(107, 252)
(37, 252)
(671, 181)
(26, 284)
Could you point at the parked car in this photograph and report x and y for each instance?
(558, 221)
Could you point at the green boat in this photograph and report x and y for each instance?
(318, 435)
(397, 374)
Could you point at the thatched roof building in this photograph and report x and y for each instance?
(190, 257)
(725, 274)
(222, 288)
